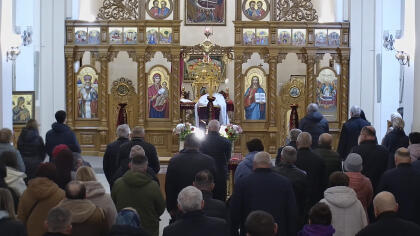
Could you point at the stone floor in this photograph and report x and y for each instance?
(96, 163)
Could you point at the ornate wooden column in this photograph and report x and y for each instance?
(69, 87)
(272, 85)
(176, 9)
(138, 56)
(175, 64)
(104, 58)
(309, 60)
(345, 59)
(238, 11)
(238, 87)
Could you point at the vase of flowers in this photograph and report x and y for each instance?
(182, 130)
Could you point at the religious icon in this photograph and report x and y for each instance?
(152, 35)
(255, 98)
(130, 35)
(255, 9)
(321, 37)
(159, 9)
(284, 36)
(294, 92)
(249, 36)
(205, 12)
(158, 92)
(115, 35)
(80, 35)
(165, 35)
(261, 37)
(94, 35)
(299, 37)
(326, 93)
(23, 104)
(87, 93)
(334, 38)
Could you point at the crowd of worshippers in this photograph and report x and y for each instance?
(363, 188)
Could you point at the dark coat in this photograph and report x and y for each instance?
(214, 207)
(389, 224)
(196, 223)
(12, 227)
(110, 160)
(149, 150)
(315, 124)
(314, 166)
(404, 182)
(54, 234)
(268, 191)
(350, 134)
(300, 183)
(60, 134)
(181, 172)
(375, 160)
(127, 230)
(278, 157)
(32, 149)
(392, 141)
(331, 159)
(219, 148)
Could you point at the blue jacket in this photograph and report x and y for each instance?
(350, 134)
(315, 124)
(245, 167)
(60, 134)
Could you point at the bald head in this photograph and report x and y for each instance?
(138, 132)
(214, 126)
(304, 140)
(402, 155)
(75, 190)
(325, 140)
(383, 202)
(262, 160)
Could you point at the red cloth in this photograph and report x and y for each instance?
(57, 149)
(122, 114)
(294, 118)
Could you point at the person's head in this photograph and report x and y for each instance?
(353, 163)
(294, 133)
(59, 221)
(6, 202)
(262, 160)
(156, 3)
(255, 145)
(260, 223)
(9, 159)
(85, 173)
(289, 155)
(32, 124)
(57, 149)
(123, 131)
(402, 155)
(259, 4)
(355, 111)
(338, 178)
(75, 190)
(164, 84)
(138, 132)
(384, 202)
(395, 115)
(320, 214)
(204, 181)
(60, 116)
(64, 160)
(191, 142)
(325, 140)
(255, 79)
(137, 150)
(156, 79)
(313, 107)
(214, 126)
(398, 123)
(414, 137)
(47, 170)
(20, 101)
(368, 133)
(304, 140)
(162, 4)
(190, 199)
(128, 216)
(252, 4)
(138, 163)
(6, 135)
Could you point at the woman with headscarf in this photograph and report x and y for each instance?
(395, 139)
(127, 224)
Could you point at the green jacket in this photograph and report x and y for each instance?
(139, 191)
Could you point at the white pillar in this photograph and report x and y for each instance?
(416, 103)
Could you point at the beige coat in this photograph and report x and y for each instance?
(95, 192)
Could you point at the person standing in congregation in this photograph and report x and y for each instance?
(331, 158)
(395, 139)
(293, 135)
(314, 123)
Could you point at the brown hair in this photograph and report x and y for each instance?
(32, 124)
(5, 135)
(85, 173)
(6, 202)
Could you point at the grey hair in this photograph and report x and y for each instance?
(190, 199)
(313, 107)
(58, 219)
(123, 131)
(214, 125)
(304, 140)
(294, 133)
(355, 111)
(289, 154)
(137, 150)
(398, 123)
(262, 158)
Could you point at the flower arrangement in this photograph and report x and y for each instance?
(231, 132)
(183, 129)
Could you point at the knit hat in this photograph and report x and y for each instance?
(353, 163)
(57, 149)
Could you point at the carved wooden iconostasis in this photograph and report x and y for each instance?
(150, 36)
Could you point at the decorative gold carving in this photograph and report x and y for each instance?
(70, 88)
(345, 59)
(119, 10)
(103, 83)
(175, 63)
(86, 138)
(272, 80)
(281, 57)
(296, 10)
(122, 87)
(141, 88)
(237, 82)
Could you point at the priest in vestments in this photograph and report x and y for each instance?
(219, 102)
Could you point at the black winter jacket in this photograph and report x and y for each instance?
(350, 134)
(61, 134)
(392, 141)
(315, 124)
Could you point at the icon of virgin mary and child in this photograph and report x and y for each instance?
(158, 95)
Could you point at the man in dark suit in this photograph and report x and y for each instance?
(293, 135)
(331, 158)
(267, 191)
(111, 153)
(193, 222)
(212, 207)
(403, 182)
(314, 123)
(182, 169)
(388, 223)
(219, 148)
(375, 157)
(350, 132)
(314, 166)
